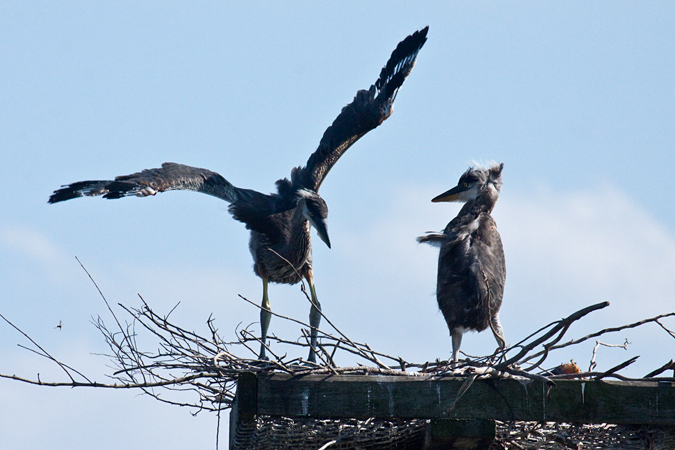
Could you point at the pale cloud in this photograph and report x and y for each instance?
(35, 259)
(600, 242)
(30, 244)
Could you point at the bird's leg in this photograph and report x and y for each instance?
(498, 331)
(456, 335)
(265, 317)
(314, 316)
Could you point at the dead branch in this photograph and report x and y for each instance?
(606, 330)
(44, 352)
(667, 366)
(617, 368)
(666, 329)
(595, 351)
(562, 326)
(95, 384)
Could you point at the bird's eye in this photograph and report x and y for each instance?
(466, 185)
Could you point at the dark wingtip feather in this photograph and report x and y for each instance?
(63, 194)
(404, 54)
(73, 190)
(89, 188)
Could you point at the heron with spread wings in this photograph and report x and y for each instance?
(279, 222)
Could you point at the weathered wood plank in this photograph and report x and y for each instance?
(382, 396)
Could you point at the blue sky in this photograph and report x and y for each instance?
(576, 98)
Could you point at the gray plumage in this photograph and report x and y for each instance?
(279, 222)
(471, 264)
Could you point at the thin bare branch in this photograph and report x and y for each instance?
(561, 325)
(44, 352)
(592, 364)
(606, 330)
(667, 366)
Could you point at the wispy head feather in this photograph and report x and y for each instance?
(483, 173)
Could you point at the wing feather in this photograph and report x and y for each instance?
(170, 176)
(368, 110)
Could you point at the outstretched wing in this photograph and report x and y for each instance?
(170, 176)
(368, 110)
(246, 205)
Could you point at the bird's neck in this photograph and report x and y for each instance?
(484, 203)
(299, 238)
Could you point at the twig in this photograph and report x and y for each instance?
(95, 384)
(606, 330)
(462, 390)
(44, 352)
(595, 351)
(617, 368)
(112, 313)
(667, 330)
(327, 365)
(561, 325)
(667, 366)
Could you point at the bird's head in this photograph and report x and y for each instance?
(476, 181)
(315, 210)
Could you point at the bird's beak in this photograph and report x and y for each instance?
(449, 196)
(322, 231)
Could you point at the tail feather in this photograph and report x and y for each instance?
(435, 239)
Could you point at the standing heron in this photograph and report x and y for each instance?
(279, 222)
(471, 266)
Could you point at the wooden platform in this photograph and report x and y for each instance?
(429, 397)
